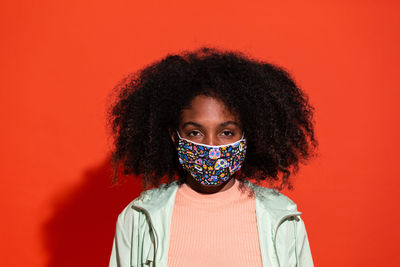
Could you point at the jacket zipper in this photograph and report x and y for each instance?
(153, 229)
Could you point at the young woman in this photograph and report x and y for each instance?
(197, 127)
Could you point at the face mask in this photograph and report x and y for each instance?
(211, 165)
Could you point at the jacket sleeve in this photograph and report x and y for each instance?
(303, 252)
(121, 249)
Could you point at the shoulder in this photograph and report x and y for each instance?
(149, 200)
(272, 198)
(157, 193)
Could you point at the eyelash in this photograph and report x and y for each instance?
(231, 133)
(189, 133)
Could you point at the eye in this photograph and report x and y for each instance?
(193, 133)
(228, 133)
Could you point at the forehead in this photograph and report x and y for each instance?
(207, 109)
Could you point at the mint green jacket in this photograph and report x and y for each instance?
(143, 227)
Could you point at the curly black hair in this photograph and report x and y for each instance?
(275, 113)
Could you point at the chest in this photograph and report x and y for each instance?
(214, 234)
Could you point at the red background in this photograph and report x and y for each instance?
(61, 59)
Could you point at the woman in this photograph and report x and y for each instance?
(197, 127)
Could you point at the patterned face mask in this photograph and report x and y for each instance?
(211, 165)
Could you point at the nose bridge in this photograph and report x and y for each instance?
(211, 139)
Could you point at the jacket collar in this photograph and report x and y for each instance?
(154, 199)
(273, 202)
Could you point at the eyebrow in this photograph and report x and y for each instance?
(199, 125)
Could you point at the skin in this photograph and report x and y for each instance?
(208, 121)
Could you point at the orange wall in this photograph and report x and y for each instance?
(60, 60)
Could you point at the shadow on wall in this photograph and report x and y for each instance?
(81, 231)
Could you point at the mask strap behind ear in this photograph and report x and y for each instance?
(178, 134)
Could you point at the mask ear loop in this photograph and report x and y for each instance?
(242, 136)
(178, 134)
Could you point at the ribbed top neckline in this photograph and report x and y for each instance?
(222, 197)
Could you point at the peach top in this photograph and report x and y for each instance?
(217, 229)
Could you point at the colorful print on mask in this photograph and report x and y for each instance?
(211, 165)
